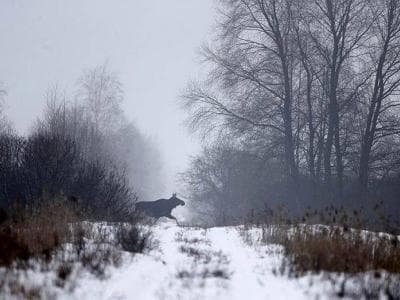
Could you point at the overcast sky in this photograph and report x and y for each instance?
(152, 45)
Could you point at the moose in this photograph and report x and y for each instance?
(160, 208)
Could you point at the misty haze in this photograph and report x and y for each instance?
(200, 149)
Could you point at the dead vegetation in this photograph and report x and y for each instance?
(357, 262)
(36, 232)
(203, 262)
(336, 249)
(52, 238)
(20, 291)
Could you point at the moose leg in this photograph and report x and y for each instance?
(172, 217)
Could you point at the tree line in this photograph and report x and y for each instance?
(82, 148)
(305, 90)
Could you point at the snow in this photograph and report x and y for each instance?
(194, 263)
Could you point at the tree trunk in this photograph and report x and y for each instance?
(311, 154)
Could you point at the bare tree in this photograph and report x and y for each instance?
(253, 67)
(383, 100)
(100, 92)
(223, 175)
(96, 122)
(309, 89)
(337, 29)
(4, 123)
(313, 85)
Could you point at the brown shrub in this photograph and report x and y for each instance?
(131, 238)
(359, 264)
(23, 292)
(3, 215)
(36, 232)
(337, 249)
(11, 248)
(96, 259)
(64, 271)
(53, 236)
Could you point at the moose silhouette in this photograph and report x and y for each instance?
(160, 208)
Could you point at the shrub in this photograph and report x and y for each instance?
(11, 248)
(3, 215)
(131, 238)
(337, 249)
(57, 163)
(36, 232)
(52, 236)
(358, 263)
(94, 247)
(97, 258)
(63, 273)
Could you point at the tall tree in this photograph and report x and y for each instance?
(385, 58)
(4, 124)
(100, 92)
(253, 65)
(337, 29)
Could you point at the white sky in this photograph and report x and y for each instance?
(151, 44)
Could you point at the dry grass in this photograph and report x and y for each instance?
(20, 291)
(340, 245)
(334, 249)
(40, 232)
(131, 238)
(372, 217)
(51, 237)
(358, 263)
(36, 233)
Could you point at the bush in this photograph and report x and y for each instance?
(131, 238)
(358, 263)
(53, 163)
(36, 232)
(354, 253)
(335, 249)
(341, 244)
(3, 215)
(11, 248)
(52, 236)
(94, 247)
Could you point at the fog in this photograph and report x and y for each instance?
(152, 45)
(238, 147)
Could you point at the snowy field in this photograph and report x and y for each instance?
(193, 263)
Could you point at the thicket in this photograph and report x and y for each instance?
(355, 262)
(81, 162)
(299, 105)
(82, 148)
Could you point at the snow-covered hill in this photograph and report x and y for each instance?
(192, 263)
(196, 263)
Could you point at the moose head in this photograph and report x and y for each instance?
(176, 201)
